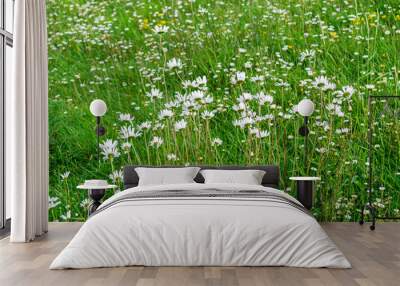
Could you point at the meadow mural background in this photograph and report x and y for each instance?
(217, 82)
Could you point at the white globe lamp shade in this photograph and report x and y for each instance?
(98, 107)
(305, 107)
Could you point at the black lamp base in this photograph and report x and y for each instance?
(305, 193)
(100, 131)
(96, 195)
(304, 131)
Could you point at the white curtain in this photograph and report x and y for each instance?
(27, 124)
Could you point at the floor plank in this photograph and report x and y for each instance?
(375, 257)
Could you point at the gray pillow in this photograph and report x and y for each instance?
(166, 176)
(248, 177)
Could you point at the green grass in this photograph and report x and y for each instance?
(108, 50)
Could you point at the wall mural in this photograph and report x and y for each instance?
(217, 82)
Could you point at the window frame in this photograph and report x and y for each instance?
(6, 39)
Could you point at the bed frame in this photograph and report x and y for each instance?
(270, 179)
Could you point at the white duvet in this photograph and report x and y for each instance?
(200, 231)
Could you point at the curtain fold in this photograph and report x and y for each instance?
(27, 124)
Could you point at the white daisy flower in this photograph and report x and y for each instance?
(263, 98)
(116, 176)
(154, 93)
(66, 216)
(320, 82)
(306, 55)
(127, 132)
(239, 107)
(161, 29)
(125, 117)
(172, 157)
(126, 146)
(156, 142)
(165, 113)
(109, 149)
(216, 142)
(238, 77)
(347, 90)
(174, 63)
(262, 133)
(248, 65)
(207, 114)
(245, 96)
(53, 202)
(321, 150)
(145, 125)
(243, 122)
(85, 203)
(257, 78)
(65, 175)
(201, 80)
(181, 124)
(197, 94)
(186, 84)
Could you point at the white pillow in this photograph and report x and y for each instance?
(166, 176)
(248, 177)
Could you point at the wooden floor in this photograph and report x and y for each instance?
(375, 257)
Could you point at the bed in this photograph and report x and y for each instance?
(201, 224)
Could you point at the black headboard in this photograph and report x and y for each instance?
(271, 177)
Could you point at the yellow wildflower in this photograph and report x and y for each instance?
(145, 24)
(162, 23)
(333, 35)
(397, 17)
(357, 21)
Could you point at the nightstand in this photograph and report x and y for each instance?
(96, 191)
(305, 188)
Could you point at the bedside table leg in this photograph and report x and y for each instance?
(305, 193)
(96, 195)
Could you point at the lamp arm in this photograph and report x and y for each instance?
(98, 118)
(100, 131)
(306, 143)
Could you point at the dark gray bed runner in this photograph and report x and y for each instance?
(206, 194)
